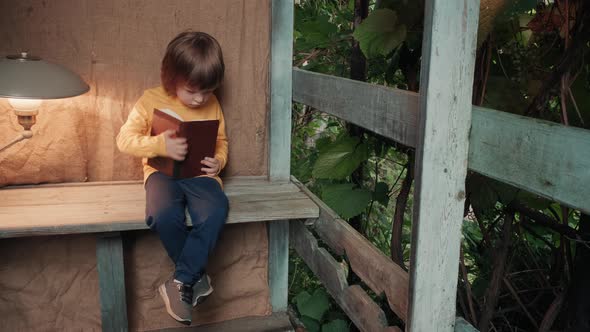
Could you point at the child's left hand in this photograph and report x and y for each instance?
(212, 166)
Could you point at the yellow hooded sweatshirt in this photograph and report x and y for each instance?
(134, 137)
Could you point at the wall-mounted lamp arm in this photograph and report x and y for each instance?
(23, 135)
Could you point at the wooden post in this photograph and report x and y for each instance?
(111, 281)
(441, 161)
(280, 89)
(278, 263)
(280, 143)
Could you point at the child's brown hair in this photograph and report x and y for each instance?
(192, 58)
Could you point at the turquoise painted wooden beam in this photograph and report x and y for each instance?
(280, 89)
(446, 77)
(542, 157)
(111, 281)
(280, 143)
(278, 264)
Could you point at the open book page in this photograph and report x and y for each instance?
(171, 113)
(176, 116)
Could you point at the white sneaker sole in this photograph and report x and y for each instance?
(164, 295)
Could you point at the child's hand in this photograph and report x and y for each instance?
(212, 166)
(176, 147)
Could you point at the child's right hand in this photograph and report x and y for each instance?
(176, 147)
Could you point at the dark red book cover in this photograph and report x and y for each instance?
(201, 137)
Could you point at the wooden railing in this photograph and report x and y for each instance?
(545, 158)
(376, 270)
(541, 157)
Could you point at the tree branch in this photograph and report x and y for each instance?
(491, 295)
(396, 250)
(543, 220)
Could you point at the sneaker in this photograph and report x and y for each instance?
(177, 297)
(202, 289)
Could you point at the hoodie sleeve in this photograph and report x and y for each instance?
(134, 137)
(221, 147)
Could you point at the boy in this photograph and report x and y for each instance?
(191, 70)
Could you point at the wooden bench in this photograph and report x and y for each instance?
(107, 208)
(120, 206)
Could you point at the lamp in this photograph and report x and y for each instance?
(26, 80)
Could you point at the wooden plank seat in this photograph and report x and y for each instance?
(119, 206)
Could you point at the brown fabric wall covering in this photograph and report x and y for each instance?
(51, 283)
(116, 46)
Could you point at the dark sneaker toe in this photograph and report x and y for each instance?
(201, 290)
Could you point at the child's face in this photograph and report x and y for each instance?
(192, 97)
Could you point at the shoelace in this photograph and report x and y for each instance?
(186, 293)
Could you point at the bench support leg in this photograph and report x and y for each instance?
(111, 280)
(278, 263)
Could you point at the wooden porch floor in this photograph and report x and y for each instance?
(277, 322)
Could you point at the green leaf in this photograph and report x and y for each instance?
(311, 325)
(523, 20)
(337, 325)
(339, 159)
(314, 306)
(347, 202)
(472, 232)
(316, 33)
(301, 298)
(380, 194)
(379, 34)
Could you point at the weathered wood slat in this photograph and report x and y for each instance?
(318, 259)
(542, 157)
(363, 311)
(389, 112)
(278, 264)
(446, 77)
(539, 156)
(355, 302)
(280, 89)
(113, 206)
(111, 282)
(370, 264)
(461, 325)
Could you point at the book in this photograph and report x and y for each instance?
(201, 138)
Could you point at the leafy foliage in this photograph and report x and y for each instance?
(345, 200)
(313, 306)
(527, 43)
(313, 309)
(339, 159)
(380, 34)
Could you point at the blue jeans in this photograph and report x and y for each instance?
(166, 199)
